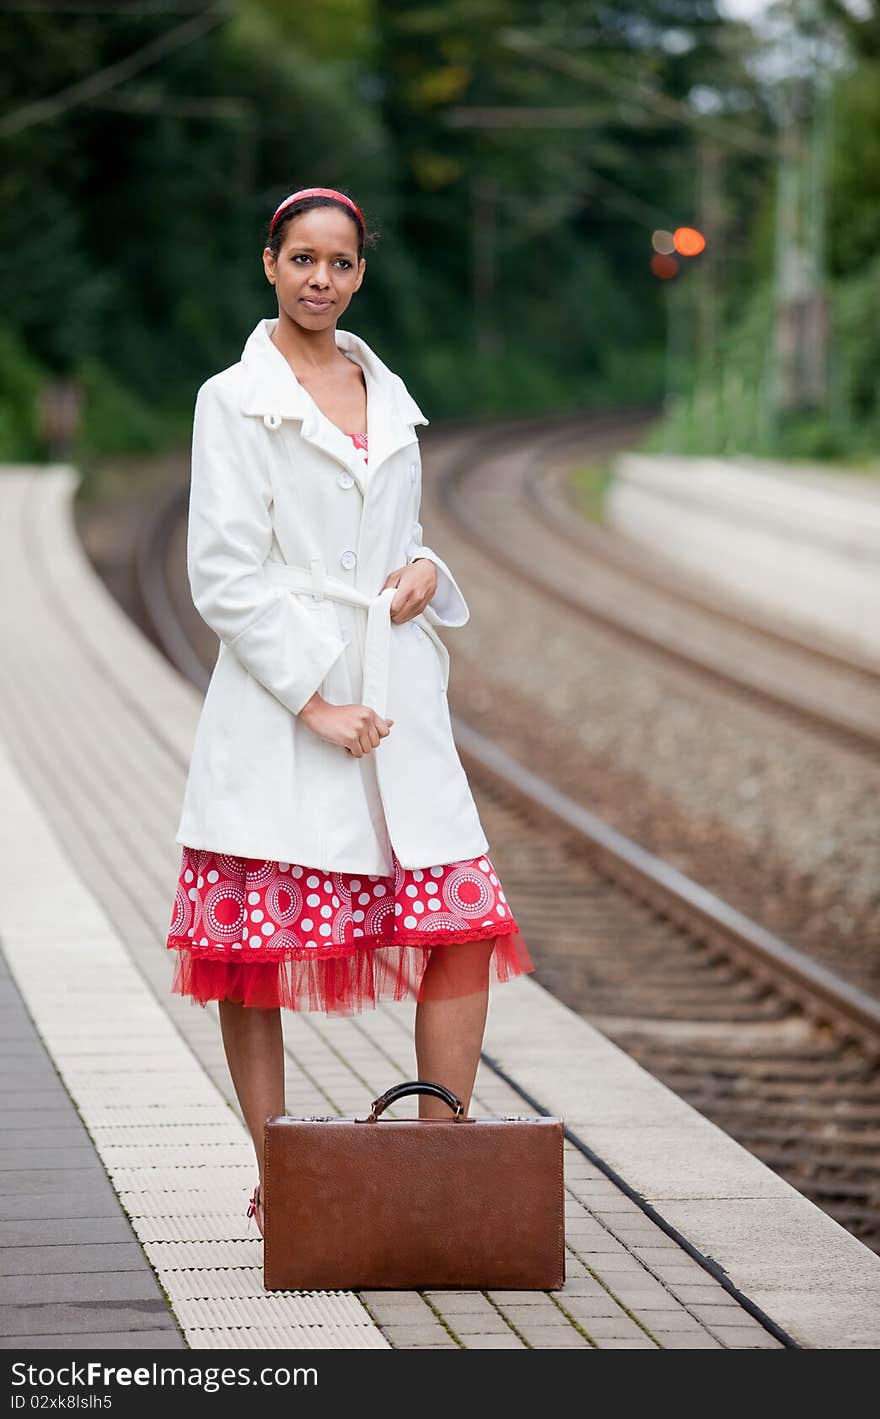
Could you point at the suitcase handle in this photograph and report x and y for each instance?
(415, 1086)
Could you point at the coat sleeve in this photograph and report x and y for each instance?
(285, 644)
(447, 602)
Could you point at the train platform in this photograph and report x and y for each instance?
(789, 541)
(126, 1164)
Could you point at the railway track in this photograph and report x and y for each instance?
(527, 522)
(780, 1051)
(781, 737)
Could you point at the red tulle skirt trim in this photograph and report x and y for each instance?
(269, 933)
(351, 980)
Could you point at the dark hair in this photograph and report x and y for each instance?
(275, 237)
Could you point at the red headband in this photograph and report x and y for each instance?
(315, 192)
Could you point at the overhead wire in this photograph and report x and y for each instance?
(725, 130)
(101, 81)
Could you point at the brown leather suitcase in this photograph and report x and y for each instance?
(413, 1204)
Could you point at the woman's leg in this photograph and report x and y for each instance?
(450, 1021)
(254, 1045)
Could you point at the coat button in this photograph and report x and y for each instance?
(347, 559)
(272, 421)
(413, 469)
(345, 480)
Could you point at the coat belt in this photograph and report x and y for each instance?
(376, 643)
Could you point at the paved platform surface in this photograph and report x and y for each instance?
(785, 539)
(159, 1119)
(95, 734)
(74, 1273)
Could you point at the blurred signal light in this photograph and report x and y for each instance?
(663, 241)
(688, 241)
(664, 266)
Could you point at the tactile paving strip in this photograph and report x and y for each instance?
(268, 1338)
(157, 1224)
(171, 1255)
(215, 1192)
(189, 1169)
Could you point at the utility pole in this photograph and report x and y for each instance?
(710, 208)
(711, 220)
(801, 325)
(484, 206)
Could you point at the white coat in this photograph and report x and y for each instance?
(289, 543)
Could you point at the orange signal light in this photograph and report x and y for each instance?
(688, 241)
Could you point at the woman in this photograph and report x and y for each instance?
(332, 854)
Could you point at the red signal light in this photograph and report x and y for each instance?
(664, 267)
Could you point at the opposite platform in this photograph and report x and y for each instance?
(787, 540)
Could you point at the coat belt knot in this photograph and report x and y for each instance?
(376, 646)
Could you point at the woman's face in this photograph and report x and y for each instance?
(317, 271)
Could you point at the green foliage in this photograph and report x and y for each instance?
(590, 485)
(511, 271)
(20, 381)
(854, 178)
(728, 411)
(114, 419)
(327, 32)
(856, 342)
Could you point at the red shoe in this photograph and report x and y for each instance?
(255, 1207)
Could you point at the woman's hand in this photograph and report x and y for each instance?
(355, 728)
(416, 583)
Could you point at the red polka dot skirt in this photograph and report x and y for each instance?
(267, 933)
(272, 933)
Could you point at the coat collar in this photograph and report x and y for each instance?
(272, 388)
